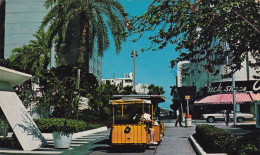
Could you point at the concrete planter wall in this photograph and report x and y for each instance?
(199, 150)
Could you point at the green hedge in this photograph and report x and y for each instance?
(213, 139)
(249, 144)
(48, 125)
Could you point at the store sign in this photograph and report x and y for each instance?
(187, 97)
(256, 86)
(240, 86)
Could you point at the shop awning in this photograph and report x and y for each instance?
(255, 96)
(241, 98)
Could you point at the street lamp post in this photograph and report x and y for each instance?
(233, 90)
(234, 97)
(133, 55)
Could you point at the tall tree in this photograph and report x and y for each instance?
(94, 18)
(99, 102)
(34, 57)
(206, 30)
(155, 90)
(127, 90)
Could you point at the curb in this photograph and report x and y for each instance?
(199, 150)
(48, 136)
(88, 132)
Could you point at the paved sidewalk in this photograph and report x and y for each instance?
(176, 141)
(78, 144)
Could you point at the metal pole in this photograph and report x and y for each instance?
(234, 97)
(152, 111)
(134, 70)
(181, 112)
(134, 54)
(187, 107)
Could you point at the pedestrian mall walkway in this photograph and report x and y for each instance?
(176, 141)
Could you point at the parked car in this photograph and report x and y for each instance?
(221, 116)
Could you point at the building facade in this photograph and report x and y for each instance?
(2, 27)
(127, 80)
(207, 84)
(142, 88)
(182, 78)
(22, 20)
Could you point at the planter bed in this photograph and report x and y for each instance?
(209, 139)
(198, 149)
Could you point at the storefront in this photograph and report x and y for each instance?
(256, 98)
(219, 96)
(225, 101)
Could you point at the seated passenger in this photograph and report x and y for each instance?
(147, 117)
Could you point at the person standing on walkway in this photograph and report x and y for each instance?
(179, 117)
(227, 117)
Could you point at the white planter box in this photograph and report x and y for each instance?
(62, 140)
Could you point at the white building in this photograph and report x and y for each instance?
(127, 80)
(182, 70)
(141, 88)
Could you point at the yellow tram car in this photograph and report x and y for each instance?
(128, 128)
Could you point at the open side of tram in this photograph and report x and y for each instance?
(133, 120)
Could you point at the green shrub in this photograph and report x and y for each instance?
(213, 139)
(245, 149)
(249, 144)
(48, 125)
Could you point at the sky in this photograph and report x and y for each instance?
(152, 67)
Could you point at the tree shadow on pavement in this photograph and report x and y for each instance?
(105, 141)
(119, 149)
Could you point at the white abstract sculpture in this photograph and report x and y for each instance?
(19, 119)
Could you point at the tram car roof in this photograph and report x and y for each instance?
(136, 99)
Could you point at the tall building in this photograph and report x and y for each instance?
(22, 19)
(182, 74)
(2, 27)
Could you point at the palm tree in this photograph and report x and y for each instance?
(93, 18)
(35, 56)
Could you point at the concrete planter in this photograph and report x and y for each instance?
(199, 150)
(62, 140)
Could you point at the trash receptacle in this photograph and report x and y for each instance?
(188, 120)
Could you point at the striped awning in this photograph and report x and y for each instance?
(241, 98)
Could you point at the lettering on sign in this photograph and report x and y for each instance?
(255, 87)
(240, 86)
